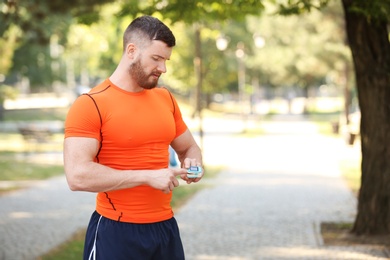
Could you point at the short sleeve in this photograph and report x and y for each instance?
(181, 126)
(83, 119)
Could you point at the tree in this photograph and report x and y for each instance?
(368, 36)
(27, 27)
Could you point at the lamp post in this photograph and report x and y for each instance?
(222, 43)
(240, 55)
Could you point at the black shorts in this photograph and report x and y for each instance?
(107, 239)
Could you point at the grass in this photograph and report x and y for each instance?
(71, 249)
(18, 164)
(339, 234)
(15, 168)
(351, 171)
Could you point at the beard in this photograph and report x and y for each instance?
(143, 79)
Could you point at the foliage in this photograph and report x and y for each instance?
(7, 45)
(88, 63)
(34, 16)
(7, 92)
(202, 15)
(291, 7)
(33, 61)
(38, 21)
(310, 51)
(194, 11)
(305, 50)
(374, 10)
(219, 68)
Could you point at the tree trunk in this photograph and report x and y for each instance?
(369, 43)
(199, 78)
(1, 110)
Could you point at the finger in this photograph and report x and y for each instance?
(197, 179)
(175, 183)
(184, 177)
(188, 180)
(170, 186)
(179, 171)
(188, 162)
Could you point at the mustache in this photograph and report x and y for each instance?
(155, 73)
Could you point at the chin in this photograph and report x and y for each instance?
(150, 86)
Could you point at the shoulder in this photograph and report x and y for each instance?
(161, 90)
(100, 89)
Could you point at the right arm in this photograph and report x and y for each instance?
(83, 174)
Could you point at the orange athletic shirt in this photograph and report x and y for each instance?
(135, 130)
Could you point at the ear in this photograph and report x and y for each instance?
(130, 50)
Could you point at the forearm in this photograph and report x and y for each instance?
(187, 150)
(83, 174)
(94, 177)
(192, 153)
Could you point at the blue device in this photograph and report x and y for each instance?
(194, 171)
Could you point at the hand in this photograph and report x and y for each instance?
(186, 164)
(165, 179)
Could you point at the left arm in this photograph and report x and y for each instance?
(188, 152)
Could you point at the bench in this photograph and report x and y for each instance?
(32, 133)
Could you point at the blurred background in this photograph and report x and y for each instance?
(242, 59)
(237, 67)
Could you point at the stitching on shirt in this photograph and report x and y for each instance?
(173, 103)
(119, 218)
(101, 123)
(109, 200)
(100, 117)
(101, 140)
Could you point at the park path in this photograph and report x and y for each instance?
(36, 219)
(270, 200)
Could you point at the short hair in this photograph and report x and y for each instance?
(148, 28)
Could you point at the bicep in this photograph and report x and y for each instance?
(78, 150)
(183, 142)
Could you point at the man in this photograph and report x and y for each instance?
(116, 144)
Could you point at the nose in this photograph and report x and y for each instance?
(162, 67)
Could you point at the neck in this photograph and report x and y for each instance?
(122, 79)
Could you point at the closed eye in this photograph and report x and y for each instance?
(157, 58)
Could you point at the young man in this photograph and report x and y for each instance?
(116, 144)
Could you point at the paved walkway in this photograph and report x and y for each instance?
(37, 219)
(267, 204)
(270, 201)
